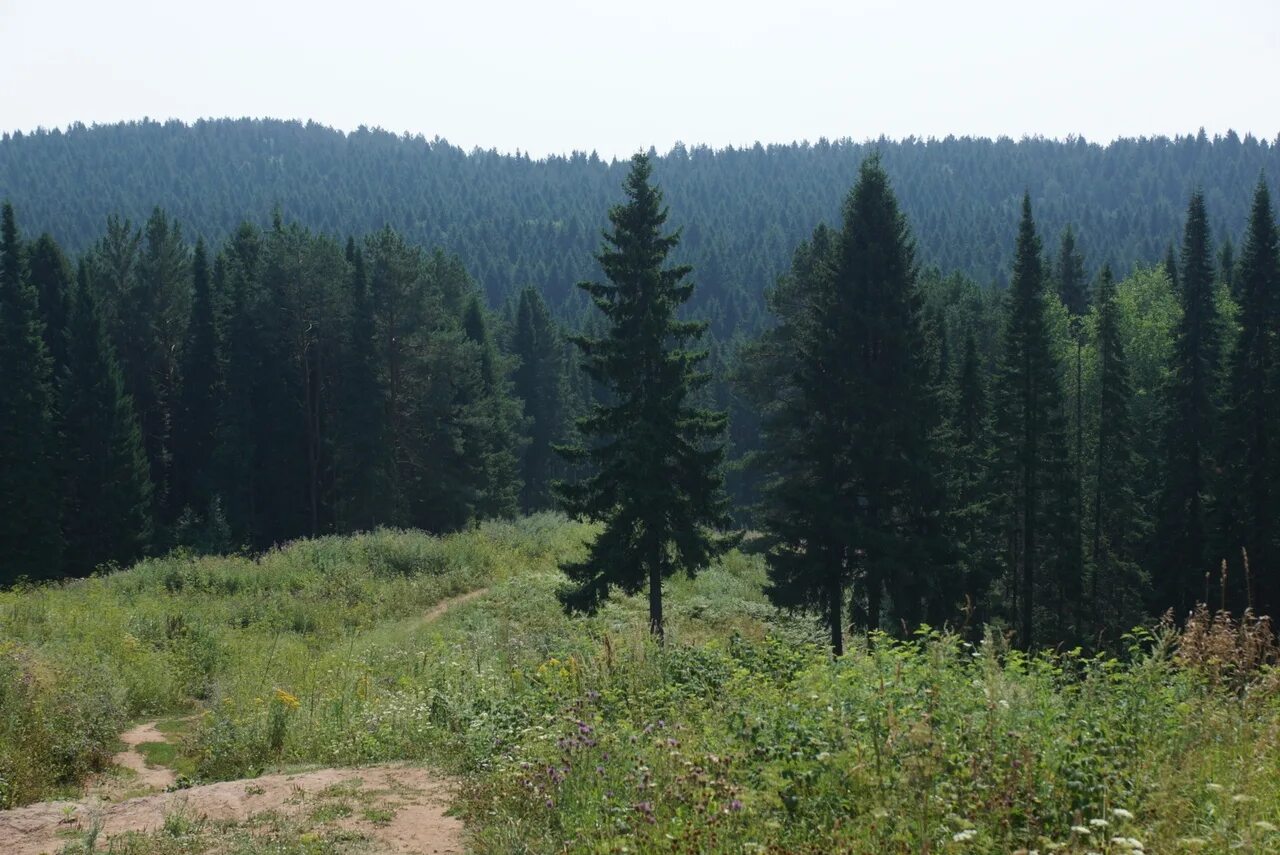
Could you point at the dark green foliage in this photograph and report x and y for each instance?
(493, 422)
(1117, 584)
(362, 492)
(1251, 456)
(108, 480)
(1031, 445)
(1069, 272)
(657, 484)
(539, 383)
(30, 505)
(200, 399)
(516, 222)
(51, 276)
(849, 418)
(1182, 537)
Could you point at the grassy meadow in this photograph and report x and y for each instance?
(578, 734)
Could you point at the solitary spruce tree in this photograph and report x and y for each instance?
(1182, 533)
(656, 485)
(1031, 440)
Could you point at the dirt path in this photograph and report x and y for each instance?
(414, 798)
(155, 777)
(437, 611)
(410, 801)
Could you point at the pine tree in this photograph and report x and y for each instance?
(1181, 538)
(540, 385)
(109, 514)
(51, 277)
(1252, 457)
(1031, 442)
(657, 485)
(30, 507)
(199, 404)
(1117, 586)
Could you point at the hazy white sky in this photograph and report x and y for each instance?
(556, 75)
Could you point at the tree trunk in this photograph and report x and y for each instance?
(655, 600)
(835, 614)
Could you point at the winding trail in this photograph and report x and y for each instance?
(417, 799)
(155, 777)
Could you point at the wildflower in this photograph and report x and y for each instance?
(1121, 813)
(1241, 798)
(290, 701)
(1099, 822)
(1214, 788)
(964, 836)
(1130, 843)
(1081, 829)
(1263, 825)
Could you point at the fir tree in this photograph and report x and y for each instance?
(1252, 457)
(30, 506)
(1071, 278)
(493, 423)
(540, 385)
(1117, 586)
(199, 403)
(51, 277)
(362, 462)
(109, 513)
(1181, 538)
(1031, 441)
(657, 485)
(849, 424)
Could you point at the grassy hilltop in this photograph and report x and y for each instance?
(573, 734)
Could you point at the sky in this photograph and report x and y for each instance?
(554, 76)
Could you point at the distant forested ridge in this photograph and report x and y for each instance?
(515, 222)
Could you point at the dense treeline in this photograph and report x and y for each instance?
(1067, 455)
(516, 222)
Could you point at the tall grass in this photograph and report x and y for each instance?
(578, 734)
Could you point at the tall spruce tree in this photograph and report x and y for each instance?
(198, 406)
(1117, 585)
(109, 487)
(657, 484)
(1252, 456)
(30, 505)
(850, 411)
(361, 457)
(540, 385)
(1182, 536)
(1073, 285)
(492, 437)
(51, 276)
(1031, 443)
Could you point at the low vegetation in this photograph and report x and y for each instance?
(581, 734)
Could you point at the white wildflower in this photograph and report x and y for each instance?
(1264, 825)
(1099, 822)
(1081, 829)
(1121, 813)
(965, 836)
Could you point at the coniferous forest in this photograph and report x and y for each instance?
(950, 382)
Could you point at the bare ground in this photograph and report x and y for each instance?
(412, 800)
(417, 797)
